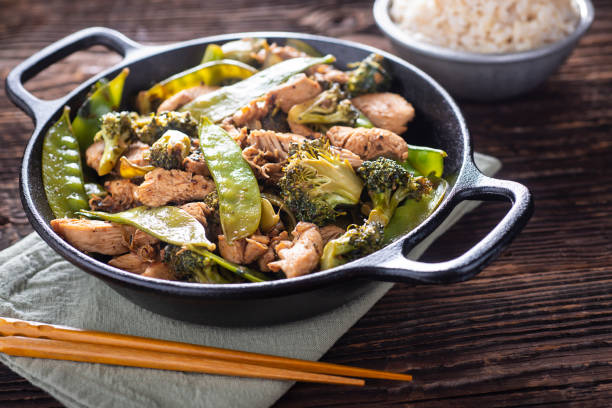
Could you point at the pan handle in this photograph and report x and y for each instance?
(395, 267)
(39, 109)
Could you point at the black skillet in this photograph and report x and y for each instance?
(438, 123)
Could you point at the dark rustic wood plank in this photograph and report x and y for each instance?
(533, 329)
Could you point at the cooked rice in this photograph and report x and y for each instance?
(486, 26)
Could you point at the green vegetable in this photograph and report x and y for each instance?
(209, 73)
(426, 160)
(316, 181)
(368, 76)
(269, 217)
(193, 267)
(239, 199)
(388, 184)
(168, 224)
(226, 101)
(356, 242)
(129, 170)
(104, 97)
(94, 189)
(169, 151)
(213, 53)
(116, 131)
(414, 211)
(325, 110)
(290, 221)
(150, 128)
(303, 46)
(62, 171)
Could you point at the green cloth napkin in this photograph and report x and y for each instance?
(37, 284)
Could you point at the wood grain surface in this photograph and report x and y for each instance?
(533, 329)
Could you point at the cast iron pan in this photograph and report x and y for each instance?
(439, 124)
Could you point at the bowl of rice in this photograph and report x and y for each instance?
(485, 50)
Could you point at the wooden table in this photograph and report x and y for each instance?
(534, 328)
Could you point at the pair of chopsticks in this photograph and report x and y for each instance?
(40, 340)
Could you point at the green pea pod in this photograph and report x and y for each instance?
(413, 212)
(239, 199)
(426, 160)
(168, 224)
(303, 46)
(210, 73)
(105, 97)
(240, 270)
(62, 171)
(213, 53)
(226, 101)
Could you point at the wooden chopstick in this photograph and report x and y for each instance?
(96, 353)
(15, 327)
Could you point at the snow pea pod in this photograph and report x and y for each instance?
(426, 160)
(105, 97)
(226, 101)
(168, 224)
(62, 171)
(239, 199)
(413, 212)
(209, 73)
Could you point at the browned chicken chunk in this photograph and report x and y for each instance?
(270, 255)
(198, 210)
(251, 114)
(137, 153)
(268, 152)
(130, 262)
(159, 270)
(120, 197)
(92, 235)
(369, 143)
(244, 251)
(183, 97)
(93, 154)
(298, 89)
(386, 110)
(300, 256)
(162, 186)
(330, 232)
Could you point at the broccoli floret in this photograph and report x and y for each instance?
(213, 219)
(356, 242)
(316, 181)
(150, 128)
(368, 76)
(170, 150)
(388, 184)
(325, 110)
(192, 267)
(116, 132)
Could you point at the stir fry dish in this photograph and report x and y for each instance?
(263, 162)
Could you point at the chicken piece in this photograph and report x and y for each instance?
(162, 186)
(345, 154)
(386, 110)
(130, 262)
(303, 130)
(251, 114)
(244, 251)
(196, 164)
(120, 197)
(268, 151)
(298, 89)
(159, 270)
(369, 143)
(92, 235)
(270, 255)
(330, 232)
(137, 153)
(300, 256)
(183, 97)
(327, 73)
(239, 136)
(198, 210)
(93, 154)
